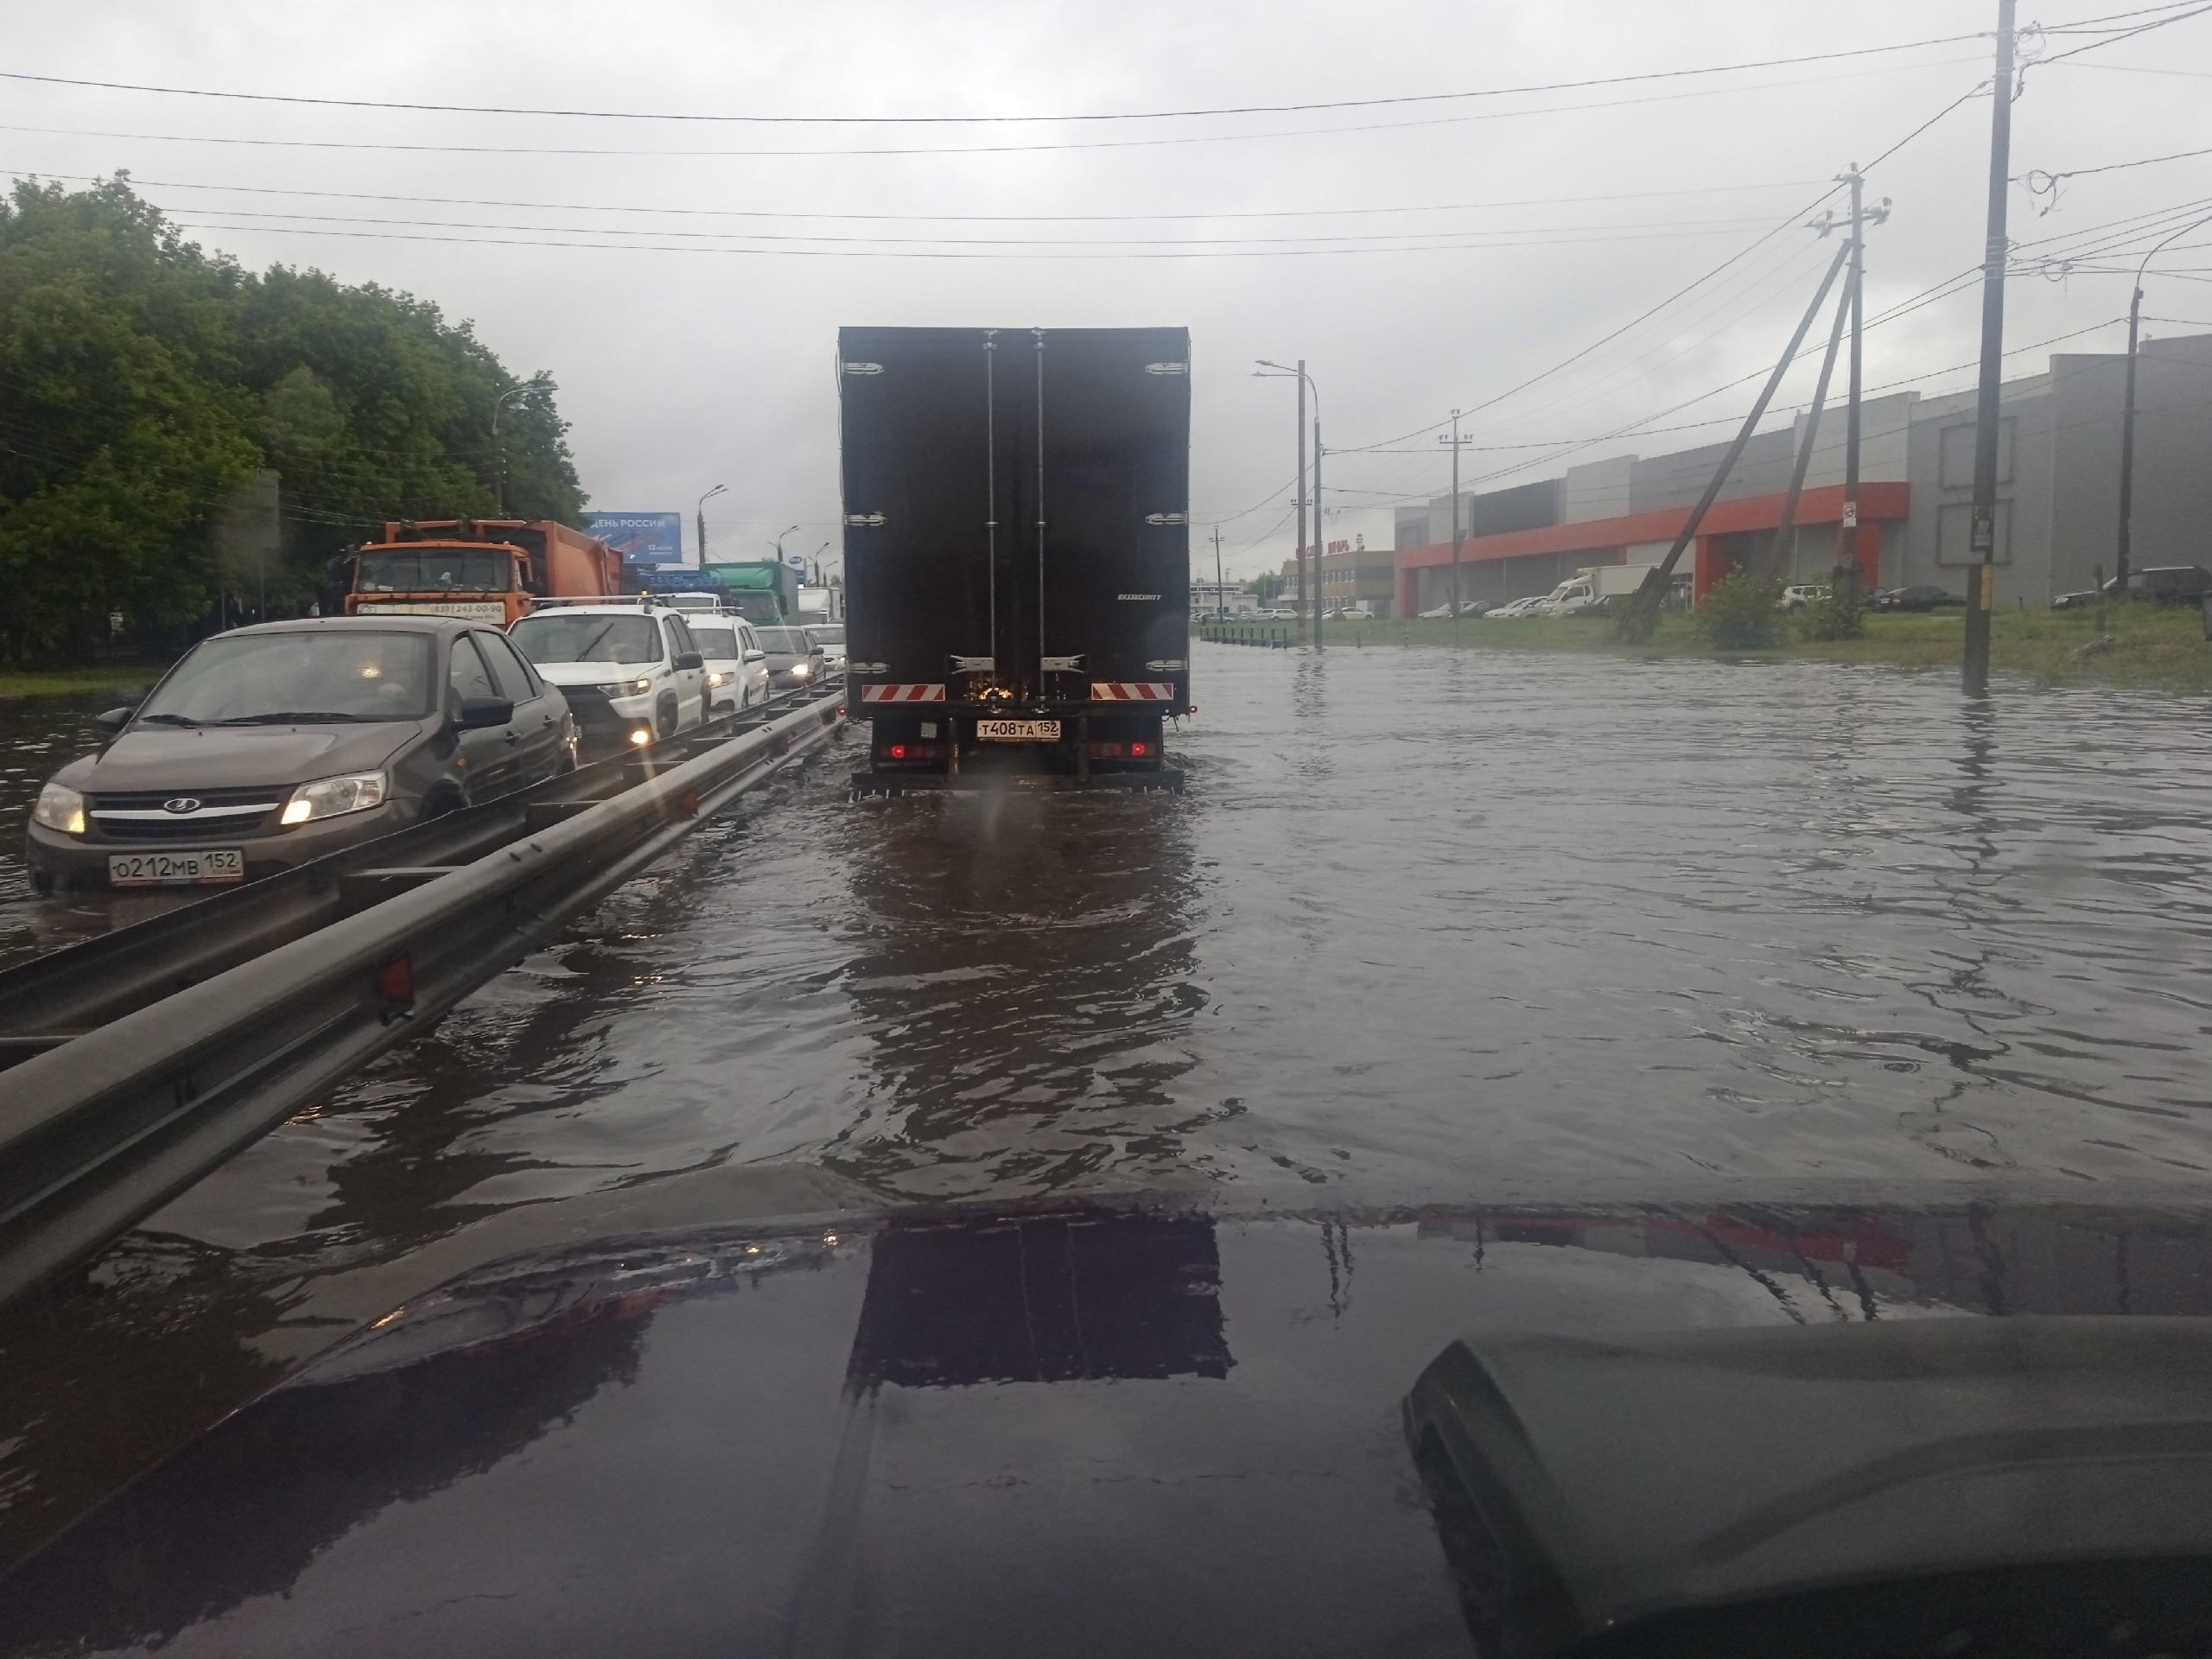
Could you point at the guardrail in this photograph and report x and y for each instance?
(1278, 636)
(56, 998)
(96, 1134)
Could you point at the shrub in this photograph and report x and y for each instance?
(1742, 613)
(1840, 616)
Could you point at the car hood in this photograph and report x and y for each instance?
(568, 674)
(1138, 1425)
(155, 757)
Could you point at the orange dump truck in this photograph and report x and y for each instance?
(486, 570)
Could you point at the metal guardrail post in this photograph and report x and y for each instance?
(96, 1135)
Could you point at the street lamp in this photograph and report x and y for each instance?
(702, 511)
(778, 542)
(539, 382)
(1305, 385)
(2127, 414)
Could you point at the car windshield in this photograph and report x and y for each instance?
(435, 570)
(793, 640)
(827, 636)
(589, 637)
(304, 674)
(717, 642)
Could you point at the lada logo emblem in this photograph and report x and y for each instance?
(183, 803)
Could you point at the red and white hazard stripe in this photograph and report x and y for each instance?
(1131, 691)
(902, 694)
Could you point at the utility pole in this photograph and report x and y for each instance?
(1643, 613)
(1982, 538)
(1302, 612)
(1843, 579)
(1320, 535)
(1785, 529)
(1458, 539)
(1220, 590)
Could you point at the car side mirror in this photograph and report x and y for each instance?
(484, 711)
(115, 719)
(689, 659)
(756, 655)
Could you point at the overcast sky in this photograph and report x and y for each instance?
(683, 280)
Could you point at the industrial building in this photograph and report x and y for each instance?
(2058, 489)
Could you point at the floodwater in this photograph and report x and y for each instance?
(1424, 924)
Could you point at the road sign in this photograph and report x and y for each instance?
(640, 537)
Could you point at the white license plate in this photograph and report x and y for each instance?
(1018, 731)
(206, 868)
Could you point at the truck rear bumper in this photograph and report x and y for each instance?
(923, 747)
(1161, 779)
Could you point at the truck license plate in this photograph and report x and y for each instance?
(1018, 731)
(209, 867)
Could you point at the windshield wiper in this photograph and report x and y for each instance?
(288, 717)
(168, 720)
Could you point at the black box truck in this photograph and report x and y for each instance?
(1017, 553)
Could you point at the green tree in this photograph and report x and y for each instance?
(121, 430)
(144, 383)
(1265, 586)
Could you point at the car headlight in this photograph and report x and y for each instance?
(59, 809)
(332, 797)
(717, 679)
(800, 670)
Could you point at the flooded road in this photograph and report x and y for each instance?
(1424, 924)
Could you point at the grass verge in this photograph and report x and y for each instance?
(2149, 645)
(55, 681)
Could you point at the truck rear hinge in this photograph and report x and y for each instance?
(1062, 664)
(871, 520)
(974, 664)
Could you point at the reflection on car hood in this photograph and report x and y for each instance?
(1073, 1427)
(566, 674)
(218, 757)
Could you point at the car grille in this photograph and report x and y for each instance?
(215, 820)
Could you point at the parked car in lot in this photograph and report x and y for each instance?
(1359, 611)
(269, 746)
(1797, 597)
(737, 667)
(632, 674)
(1921, 596)
(1467, 607)
(830, 636)
(794, 661)
(1513, 610)
(2164, 584)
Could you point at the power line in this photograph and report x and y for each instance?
(766, 212)
(938, 252)
(987, 120)
(1610, 103)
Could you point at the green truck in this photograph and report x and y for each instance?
(766, 592)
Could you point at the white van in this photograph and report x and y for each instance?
(737, 666)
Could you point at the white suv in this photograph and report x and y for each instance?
(631, 672)
(737, 668)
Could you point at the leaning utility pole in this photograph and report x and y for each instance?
(1220, 589)
(1982, 539)
(1643, 613)
(1458, 539)
(1785, 529)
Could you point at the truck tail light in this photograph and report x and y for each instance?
(898, 751)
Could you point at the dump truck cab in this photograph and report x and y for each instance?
(489, 570)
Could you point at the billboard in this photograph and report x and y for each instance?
(640, 537)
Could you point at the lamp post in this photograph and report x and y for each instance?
(2127, 415)
(702, 511)
(1304, 384)
(539, 382)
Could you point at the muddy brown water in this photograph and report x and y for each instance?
(1425, 924)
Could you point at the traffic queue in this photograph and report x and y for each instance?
(265, 746)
